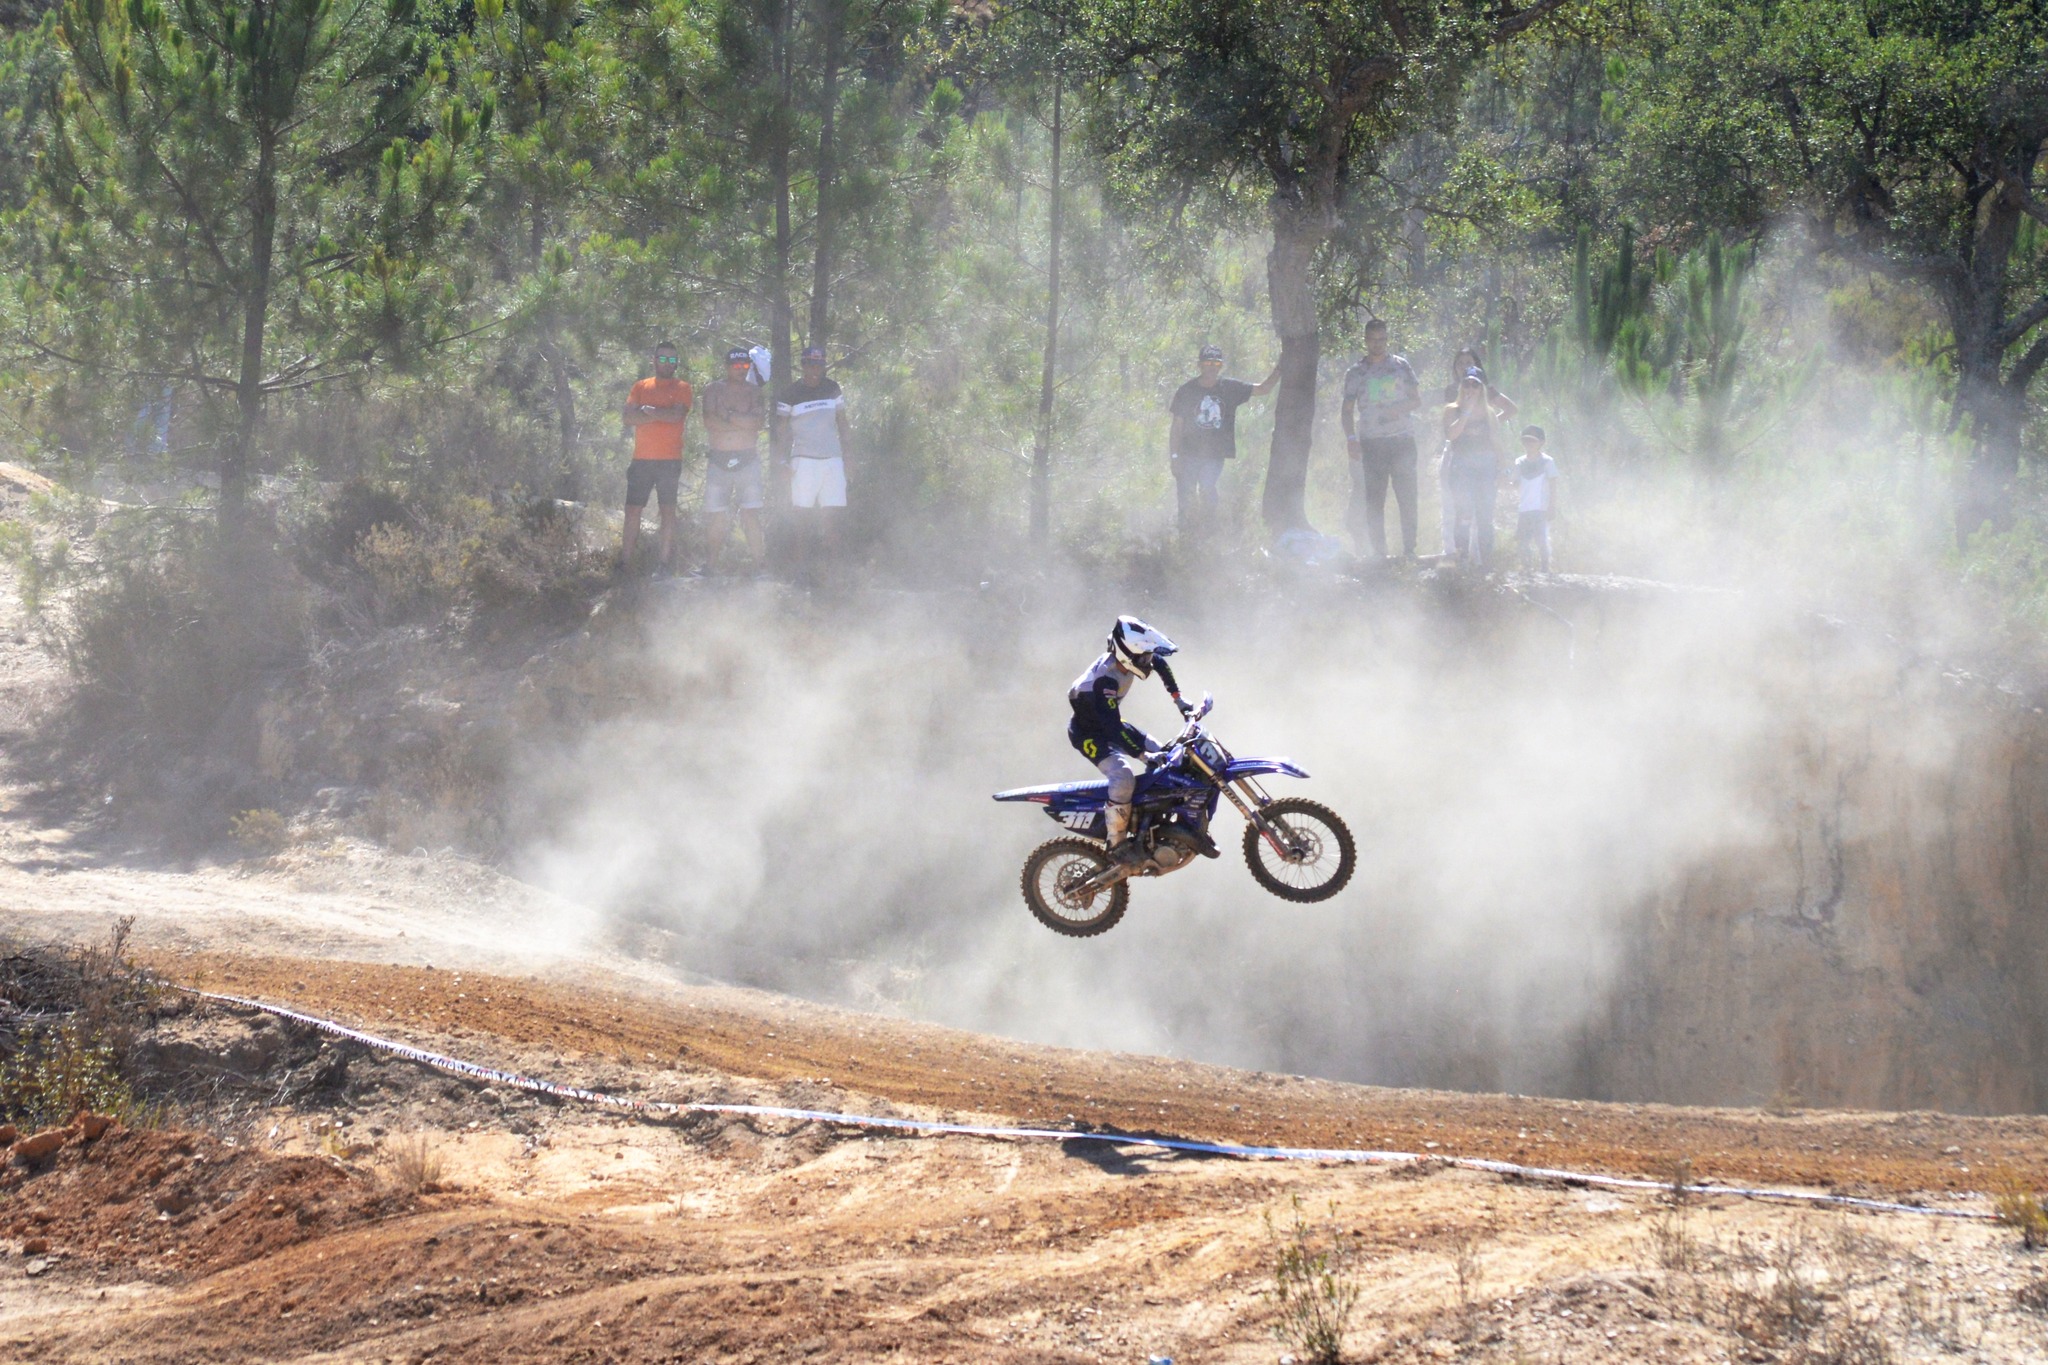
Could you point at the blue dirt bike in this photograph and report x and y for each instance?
(1298, 850)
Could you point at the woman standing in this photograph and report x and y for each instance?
(1472, 459)
(1462, 364)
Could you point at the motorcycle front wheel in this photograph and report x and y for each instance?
(1321, 856)
(1053, 875)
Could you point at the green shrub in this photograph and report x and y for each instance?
(163, 640)
(1313, 1285)
(58, 1072)
(260, 832)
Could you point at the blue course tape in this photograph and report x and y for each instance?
(478, 1071)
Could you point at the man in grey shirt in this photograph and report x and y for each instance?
(1380, 395)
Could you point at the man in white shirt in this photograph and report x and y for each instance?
(813, 435)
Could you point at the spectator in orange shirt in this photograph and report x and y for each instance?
(655, 411)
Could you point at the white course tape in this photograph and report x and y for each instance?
(478, 1071)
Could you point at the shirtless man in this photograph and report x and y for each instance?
(734, 414)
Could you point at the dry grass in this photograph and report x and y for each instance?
(2020, 1206)
(1672, 1244)
(1466, 1267)
(414, 1164)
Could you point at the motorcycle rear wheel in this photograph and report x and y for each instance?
(1050, 874)
(1328, 855)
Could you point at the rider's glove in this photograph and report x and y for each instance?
(1187, 708)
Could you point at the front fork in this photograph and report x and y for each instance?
(1251, 805)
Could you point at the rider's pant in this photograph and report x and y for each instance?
(1123, 772)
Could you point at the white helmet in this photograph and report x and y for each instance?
(1136, 646)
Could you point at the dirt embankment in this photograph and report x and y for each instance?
(1881, 945)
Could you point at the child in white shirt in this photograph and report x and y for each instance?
(1536, 478)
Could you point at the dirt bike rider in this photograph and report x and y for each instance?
(1098, 729)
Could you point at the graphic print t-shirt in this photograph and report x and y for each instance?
(659, 440)
(1378, 388)
(813, 417)
(1208, 417)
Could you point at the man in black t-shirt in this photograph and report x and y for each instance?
(1204, 432)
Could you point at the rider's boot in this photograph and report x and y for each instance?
(1122, 847)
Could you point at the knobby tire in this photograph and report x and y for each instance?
(1256, 851)
(1113, 901)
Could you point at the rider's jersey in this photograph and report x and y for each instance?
(1098, 726)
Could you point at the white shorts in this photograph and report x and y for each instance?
(817, 483)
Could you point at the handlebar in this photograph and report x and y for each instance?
(1193, 724)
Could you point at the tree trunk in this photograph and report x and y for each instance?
(551, 351)
(1976, 307)
(1997, 418)
(780, 320)
(1290, 286)
(235, 460)
(832, 16)
(1041, 455)
(565, 395)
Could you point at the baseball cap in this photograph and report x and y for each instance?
(1212, 353)
(814, 353)
(739, 355)
(1533, 432)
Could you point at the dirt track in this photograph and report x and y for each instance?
(774, 1039)
(561, 1233)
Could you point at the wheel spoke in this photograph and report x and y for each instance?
(1059, 881)
(1056, 886)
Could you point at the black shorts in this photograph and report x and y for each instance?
(652, 476)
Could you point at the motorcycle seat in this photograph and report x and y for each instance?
(1048, 791)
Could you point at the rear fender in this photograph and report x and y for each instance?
(1077, 806)
(1260, 767)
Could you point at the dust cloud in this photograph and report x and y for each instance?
(800, 801)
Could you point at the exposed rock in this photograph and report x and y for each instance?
(43, 1145)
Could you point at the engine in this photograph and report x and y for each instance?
(1172, 846)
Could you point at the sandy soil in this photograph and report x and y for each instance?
(561, 1233)
(556, 1233)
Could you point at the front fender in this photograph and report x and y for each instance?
(1260, 767)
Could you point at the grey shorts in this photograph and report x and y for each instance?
(727, 487)
(1123, 771)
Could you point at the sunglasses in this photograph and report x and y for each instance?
(667, 360)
